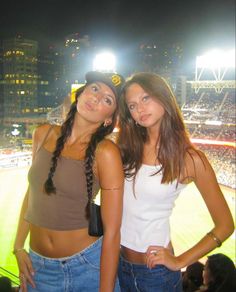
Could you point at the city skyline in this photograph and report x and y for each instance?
(199, 25)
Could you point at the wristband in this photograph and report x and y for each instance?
(215, 238)
(16, 250)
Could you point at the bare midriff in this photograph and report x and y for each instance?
(136, 257)
(59, 244)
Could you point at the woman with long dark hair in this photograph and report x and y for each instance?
(159, 161)
(219, 274)
(71, 163)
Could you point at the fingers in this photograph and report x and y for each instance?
(152, 249)
(153, 256)
(23, 282)
(28, 278)
(158, 255)
(26, 271)
(29, 266)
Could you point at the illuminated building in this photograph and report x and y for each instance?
(77, 58)
(19, 76)
(49, 79)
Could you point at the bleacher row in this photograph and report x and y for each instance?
(207, 105)
(210, 115)
(222, 159)
(220, 133)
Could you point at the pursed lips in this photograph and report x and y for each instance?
(144, 117)
(89, 106)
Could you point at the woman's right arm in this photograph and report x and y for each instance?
(25, 267)
(26, 270)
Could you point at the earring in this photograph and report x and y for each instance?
(105, 124)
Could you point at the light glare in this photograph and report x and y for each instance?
(216, 59)
(104, 62)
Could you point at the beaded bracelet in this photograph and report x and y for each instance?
(215, 238)
(15, 251)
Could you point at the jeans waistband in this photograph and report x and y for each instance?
(94, 244)
(141, 267)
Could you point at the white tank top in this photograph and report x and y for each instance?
(146, 214)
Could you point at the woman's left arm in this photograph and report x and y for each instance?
(205, 180)
(111, 177)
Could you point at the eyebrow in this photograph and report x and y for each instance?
(108, 94)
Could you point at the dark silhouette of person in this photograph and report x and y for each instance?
(192, 277)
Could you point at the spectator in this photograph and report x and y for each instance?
(219, 274)
(5, 284)
(192, 277)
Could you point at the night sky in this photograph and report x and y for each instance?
(198, 24)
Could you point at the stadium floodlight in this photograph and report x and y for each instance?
(104, 62)
(216, 59)
(218, 62)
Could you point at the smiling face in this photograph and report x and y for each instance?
(145, 109)
(97, 103)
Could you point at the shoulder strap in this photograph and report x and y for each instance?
(45, 138)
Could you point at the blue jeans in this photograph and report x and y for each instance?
(77, 273)
(139, 278)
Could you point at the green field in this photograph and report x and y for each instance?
(189, 222)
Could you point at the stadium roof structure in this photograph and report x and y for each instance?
(212, 84)
(217, 63)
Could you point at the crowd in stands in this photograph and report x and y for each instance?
(200, 112)
(220, 133)
(217, 275)
(209, 105)
(227, 134)
(223, 162)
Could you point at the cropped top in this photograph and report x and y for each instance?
(146, 213)
(64, 210)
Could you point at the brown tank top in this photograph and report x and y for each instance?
(64, 210)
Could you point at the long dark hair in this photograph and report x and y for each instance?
(174, 139)
(222, 272)
(96, 137)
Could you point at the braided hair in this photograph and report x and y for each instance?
(96, 137)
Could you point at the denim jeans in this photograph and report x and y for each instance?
(139, 278)
(77, 273)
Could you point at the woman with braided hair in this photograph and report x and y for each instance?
(71, 163)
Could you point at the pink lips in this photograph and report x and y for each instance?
(144, 118)
(89, 106)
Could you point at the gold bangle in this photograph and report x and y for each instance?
(215, 238)
(16, 250)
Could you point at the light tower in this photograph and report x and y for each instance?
(217, 63)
